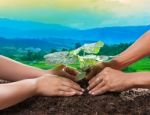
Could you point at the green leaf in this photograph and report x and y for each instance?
(80, 76)
(73, 57)
(92, 48)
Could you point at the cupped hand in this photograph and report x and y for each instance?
(51, 85)
(64, 71)
(109, 80)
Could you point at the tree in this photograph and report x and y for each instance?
(53, 50)
(77, 45)
(64, 49)
(32, 56)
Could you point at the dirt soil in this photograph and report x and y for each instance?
(132, 102)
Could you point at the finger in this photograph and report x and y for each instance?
(93, 79)
(100, 91)
(72, 84)
(69, 89)
(97, 78)
(63, 93)
(100, 85)
(63, 74)
(95, 82)
(67, 75)
(71, 71)
(60, 67)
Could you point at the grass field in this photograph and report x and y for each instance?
(141, 65)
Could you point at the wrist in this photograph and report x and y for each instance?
(141, 79)
(29, 86)
(113, 64)
(130, 80)
(38, 84)
(33, 85)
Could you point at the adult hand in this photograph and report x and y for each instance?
(109, 80)
(51, 85)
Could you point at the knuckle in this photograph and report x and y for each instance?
(69, 84)
(68, 88)
(106, 78)
(58, 88)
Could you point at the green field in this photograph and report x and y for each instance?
(141, 65)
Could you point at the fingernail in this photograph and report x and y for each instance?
(93, 93)
(73, 92)
(83, 90)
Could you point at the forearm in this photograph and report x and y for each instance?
(140, 79)
(138, 50)
(13, 93)
(13, 71)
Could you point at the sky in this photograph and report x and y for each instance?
(80, 14)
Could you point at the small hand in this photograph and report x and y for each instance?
(109, 80)
(64, 71)
(51, 85)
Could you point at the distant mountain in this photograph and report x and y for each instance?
(33, 30)
(115, 35)
(29, 33)
(44, 44)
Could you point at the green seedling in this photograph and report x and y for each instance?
(88, 58)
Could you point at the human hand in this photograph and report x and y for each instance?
(109, 80)
(64, 71)
(51, 85)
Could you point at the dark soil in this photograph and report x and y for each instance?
(135, 102)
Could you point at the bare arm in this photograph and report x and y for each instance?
(12, 70)
(13, 93)
(47, 85)
(138, 50)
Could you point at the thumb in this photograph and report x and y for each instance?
(71, 71)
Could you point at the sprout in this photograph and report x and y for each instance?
(73, 57)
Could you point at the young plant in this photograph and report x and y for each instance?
(84, 56)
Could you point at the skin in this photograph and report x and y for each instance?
(111, 80)
(135, 52)
(13, 71)
(47, 85)
(30, 81)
